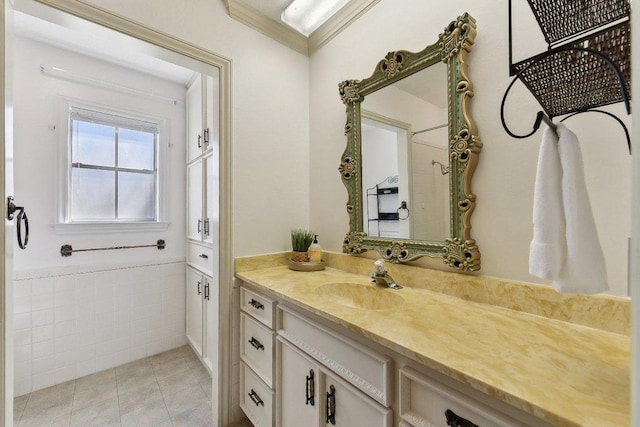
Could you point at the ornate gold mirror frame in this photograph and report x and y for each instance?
(458, 251)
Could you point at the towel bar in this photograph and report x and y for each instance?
(67, 250)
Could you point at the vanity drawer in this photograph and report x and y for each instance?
(256, 347)
(258, 306)
(201, 257)
(256, 399)
(364, 368)
(424, 402)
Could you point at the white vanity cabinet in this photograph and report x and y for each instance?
(195, 196)
(428, 398)
(202, 316)
(346, 406)
(298, 386)
(203, 115)
(324, 378)
(257, 351)
(311, 395)
(202, 228)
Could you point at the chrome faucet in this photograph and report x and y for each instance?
(381, 276)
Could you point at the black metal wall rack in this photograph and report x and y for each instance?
(587, 64)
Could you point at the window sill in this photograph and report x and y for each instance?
(109, 227)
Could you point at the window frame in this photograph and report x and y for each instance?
(64, 223)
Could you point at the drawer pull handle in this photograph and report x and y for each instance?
(455, 420)
(256, 344)
(331, 405)
(199, 283)
(204, 256)
(311, 388)
(256, 304)
(256, 399)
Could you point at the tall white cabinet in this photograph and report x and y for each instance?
(202, 230)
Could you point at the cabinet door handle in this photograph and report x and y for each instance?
(199, 141)
(199, 283)
(206, 136)
(256, 399)
(455, 420)
(256, 344)
(256, 304)
(331, 405)
(199, 225)
(206, 290)
(310, 388)
(204, 256)
(206, 226)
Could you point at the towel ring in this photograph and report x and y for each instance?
(403, 207)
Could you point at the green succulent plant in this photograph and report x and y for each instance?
(301, 239)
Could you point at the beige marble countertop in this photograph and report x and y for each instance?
(566, 374)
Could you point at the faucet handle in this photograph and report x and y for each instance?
(379, 266)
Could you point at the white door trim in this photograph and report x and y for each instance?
(134, 29)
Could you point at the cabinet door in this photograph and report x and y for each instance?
(298, 385)
(212, 218)
(194, 201)
(195, 284)
(212, 110)
(194, 119)
(211, 336)
(345, 406)
(211, 323)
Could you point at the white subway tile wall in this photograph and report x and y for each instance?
(69, 326)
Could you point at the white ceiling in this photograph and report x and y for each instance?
(97, 42)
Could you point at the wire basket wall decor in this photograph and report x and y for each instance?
(570, 81)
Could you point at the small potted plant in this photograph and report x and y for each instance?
(300, 242)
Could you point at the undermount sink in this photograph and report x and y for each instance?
(357, 295)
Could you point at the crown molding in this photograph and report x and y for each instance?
(291, 38)
(338, 22)
(267, 26)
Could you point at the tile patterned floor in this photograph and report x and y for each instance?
(168, 389)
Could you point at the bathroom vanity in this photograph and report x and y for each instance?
(330, 348)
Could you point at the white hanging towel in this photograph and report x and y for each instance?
(565, 247)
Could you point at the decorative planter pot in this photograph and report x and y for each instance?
(299, 256)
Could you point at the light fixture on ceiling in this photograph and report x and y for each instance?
(305, 16)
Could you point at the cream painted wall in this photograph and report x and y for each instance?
(270, 116)
(505, 177)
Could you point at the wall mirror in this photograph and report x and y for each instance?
(412, 149)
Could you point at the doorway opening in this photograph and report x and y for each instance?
(95, 310)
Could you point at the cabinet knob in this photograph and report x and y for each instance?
(331, 405)
(455, 420)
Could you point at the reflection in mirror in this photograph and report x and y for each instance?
(412, 149)
(405, 160)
